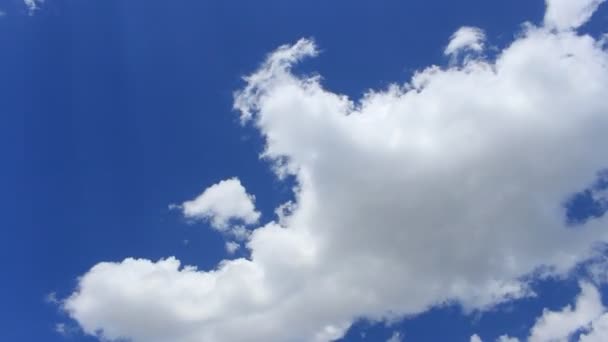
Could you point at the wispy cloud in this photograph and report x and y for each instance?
(33, 5)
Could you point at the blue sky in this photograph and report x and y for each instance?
(115, 109)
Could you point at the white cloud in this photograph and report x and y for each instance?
(448, 188)
(232, 247)
(560, 325)
(51, 298)
(600, 196)
(466, 38)
(568, 14)
(588, 315)
(395, 337)
(598, 332)
(475, 338)
(597, 268)
(221, 204)
(61, 328)
(503, 338)
(33, 5)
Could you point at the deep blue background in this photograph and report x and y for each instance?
(113, 109)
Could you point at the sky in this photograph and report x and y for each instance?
(303, 170)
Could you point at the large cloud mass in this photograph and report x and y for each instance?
(448, 188)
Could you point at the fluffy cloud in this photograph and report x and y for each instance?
(588, 315)
(559, 325)
(466, 38)
(475, 338)
(232, 247)
(568, 14)
(222, 204)
(447, 188)
(598, 332)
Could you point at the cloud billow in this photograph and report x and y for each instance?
(447, 188)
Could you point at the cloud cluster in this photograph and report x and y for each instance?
(447, 188)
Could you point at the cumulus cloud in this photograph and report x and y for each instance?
(560, 325)
(569, 14)
(222, 204)
(588, 315)
(466, 38)
(447, 188)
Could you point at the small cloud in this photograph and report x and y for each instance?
(475, 338)
(65, 329)
(396, 337)
(232, 247)
(466, 39)
(33, 5)
(240, 233)
(51, 298)
(61, 328)
(226, 206)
